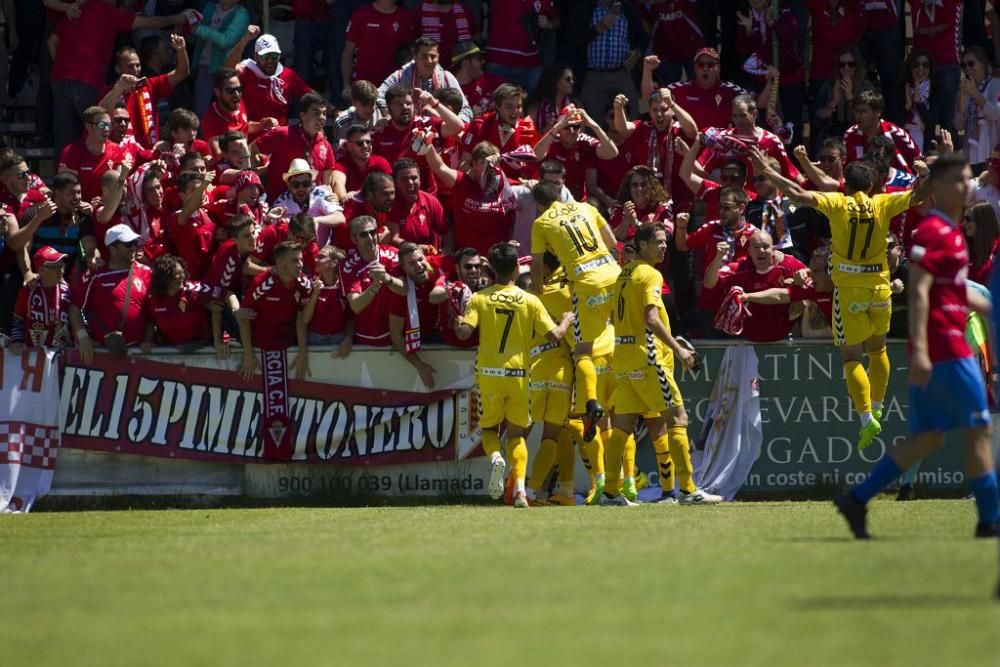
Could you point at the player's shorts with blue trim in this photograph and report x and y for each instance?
(954, 398)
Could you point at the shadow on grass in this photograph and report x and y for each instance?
(834, 539)
(862, 601)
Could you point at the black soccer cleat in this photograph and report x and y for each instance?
(595, 413)
(906, 492)
(988, 529)
(854, 513)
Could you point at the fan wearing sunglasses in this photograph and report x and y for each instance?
(268, 86)
(305, 195)
(93, 154)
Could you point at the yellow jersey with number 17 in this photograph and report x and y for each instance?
(639, 286)
(859, 225)
(507, 318)
(572, 232)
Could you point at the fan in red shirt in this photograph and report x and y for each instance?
(93, 154)
(268, 86)
(142, 95)
(374, 36)
(731, 227)
(99, 305)
(762, 269)
(367, 281)
(181, 135)
(676, 35)
(375, 200)
(284, 144)
(191, 229)
(41, 315)
(578, 152)
(732, 173)
(413, 318)
(300, 229)
(467, 64)
(227, 112)
(228, 269)
(416, 216)
(505, 127)
(654, 140)
(484, 205)
(455, 294)
(143, 209)
(868, 121)
(357, 162)
(511, 42)
(835, 24)
(244, 198)
(643, 201)
(331, 321)
(745, 130)
(397, 138)
(707, 98)
(176, 307)
(271, 315)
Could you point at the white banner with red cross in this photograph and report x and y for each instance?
(29, 426)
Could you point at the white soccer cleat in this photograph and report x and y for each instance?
(497, 471)
(618, 501)
(698, 497)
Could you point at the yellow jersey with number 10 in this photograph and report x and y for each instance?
(507, 318)
(639, 286)
(859, 225)
(572, 232)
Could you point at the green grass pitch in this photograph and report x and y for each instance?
(741, 584)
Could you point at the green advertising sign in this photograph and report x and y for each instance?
(809, 425)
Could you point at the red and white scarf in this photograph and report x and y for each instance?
(146, 118)
(430, 21)
(729, 317)
(275, 424)
(412, 334)
(277, 85)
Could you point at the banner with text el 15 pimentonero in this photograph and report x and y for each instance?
(141, 406)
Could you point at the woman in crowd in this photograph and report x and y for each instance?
(978, 107)
(982, 234)
(918, 70)
(643, 200)
(835, 99)
(551, 95)
(223, 24)
(176, 308)
(329, 319)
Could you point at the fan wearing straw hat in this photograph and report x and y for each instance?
(304, 195)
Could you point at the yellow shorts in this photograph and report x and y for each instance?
(605, 385)
(645, 391)
(860, 313)
(551, 384)
(501, 401)
(592, 308)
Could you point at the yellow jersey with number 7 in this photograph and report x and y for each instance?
(859, 226)
(507, 318)
(572, 232)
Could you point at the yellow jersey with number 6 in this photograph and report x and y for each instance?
(507, 318)
(572, 232)
(859, 225)
(639, 286)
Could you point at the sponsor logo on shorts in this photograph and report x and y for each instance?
(548, 385)
(502, 372)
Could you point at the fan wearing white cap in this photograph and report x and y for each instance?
(268, 86)
(304, 194)
(112, 300)
(41, 315)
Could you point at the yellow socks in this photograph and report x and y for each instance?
(542, 465)
(858, 386)
(586, 377)
(614, 452)
(491, 443)
(664, 466)
(594, 451)
(628, 461)
(878, 374)
(680, 454)
(517, 456)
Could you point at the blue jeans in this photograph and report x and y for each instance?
(70, 99)
(326, 339)
(310, 37)
(526, 77)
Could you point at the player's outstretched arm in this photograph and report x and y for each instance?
(659, 329)
(556, 335)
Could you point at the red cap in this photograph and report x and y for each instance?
(47, 255)
(707, 51)
(247, 179)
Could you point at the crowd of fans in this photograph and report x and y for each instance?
(215, 185)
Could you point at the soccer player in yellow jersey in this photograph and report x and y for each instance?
(859, 226)
(551, 384)
(507, 318)
(580, 239)
(644, 356)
